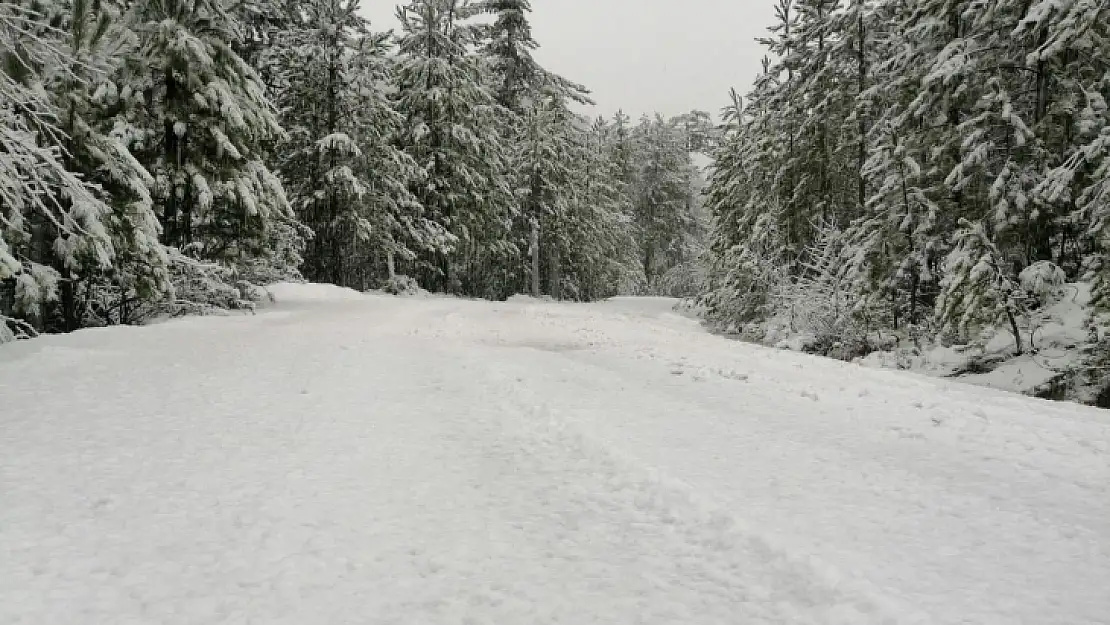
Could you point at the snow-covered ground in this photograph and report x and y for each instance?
(1051, 340)
(342, 458)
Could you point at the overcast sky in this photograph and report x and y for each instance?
(670, 56)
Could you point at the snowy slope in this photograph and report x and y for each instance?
(343, 458)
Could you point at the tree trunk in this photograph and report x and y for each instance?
(71, 318)
(861, 34)
(535, 259)
(556, 277)
(171, 231)
(1017, 333)
(915, 284)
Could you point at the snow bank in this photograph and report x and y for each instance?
(528, 299)
(294, 292)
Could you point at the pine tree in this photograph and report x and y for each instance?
(451, 131)
(1071, 60)
(664, 214)
(91, 105)
(51, 221)
(345, 177)
(977, 288)
(624, 149)
(959, 145)
(260, 23)
(201, 133)
(897, 243)
(319, 98)
(530, 97)
(604, 259)
(509, 45)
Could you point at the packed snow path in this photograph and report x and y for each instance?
(362, 459)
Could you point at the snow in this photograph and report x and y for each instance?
(294, 293)
(341, 457)
(1054, 332)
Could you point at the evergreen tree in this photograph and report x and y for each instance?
(958, 145)
(1071, 61)
(532, 98)
(53, 224)
(451, 131)
(977, 288)
(508, 45)
(201, 133)
(345, 177)
(664, 203)
(604, 260)
(92, 103)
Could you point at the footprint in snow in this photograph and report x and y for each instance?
(732, 374)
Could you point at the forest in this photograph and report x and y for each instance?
(902, 175)
(170, 157)
(922, 172)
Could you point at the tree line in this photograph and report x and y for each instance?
(919, 168)
(170, 157)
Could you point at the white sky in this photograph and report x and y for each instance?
(670, 56)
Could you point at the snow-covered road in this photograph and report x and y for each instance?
(361, 459)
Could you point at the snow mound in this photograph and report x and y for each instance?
(403, 286)
(650, 306)
(293, 292)
(528, 299)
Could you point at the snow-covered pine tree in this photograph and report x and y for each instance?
(1071, 65)
(765, 187)
(451, 131)
(747, 243)
(777, 90)
(603, 260)
(978, 289)
(201, 133)
(961, 145)
(664, 201)
(698, 128)
(51, 221)
(690, 261)
(259, 23)
(896, 244)
(321, 96)
(1071, 61)
(585, 226)
(91, 104)
(823, 97)
(812, 91)
(546, 188)
(1006, 126)
(624, 149)
(529, 94)
(514, 78)
(344, 176)
(508, 44)
(793, 161)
